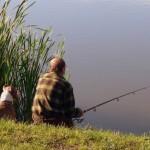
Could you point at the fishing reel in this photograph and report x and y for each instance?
(78, 120)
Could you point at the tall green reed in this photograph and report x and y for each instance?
(24, 55)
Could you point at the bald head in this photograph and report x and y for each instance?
(57, 65)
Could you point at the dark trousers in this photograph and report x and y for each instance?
(59, 121)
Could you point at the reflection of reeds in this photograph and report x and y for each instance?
(23, 55)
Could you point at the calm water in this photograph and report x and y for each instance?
(108, 54)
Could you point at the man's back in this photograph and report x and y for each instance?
(54, 101)
(50, 93)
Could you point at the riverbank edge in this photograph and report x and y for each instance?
(22, 136)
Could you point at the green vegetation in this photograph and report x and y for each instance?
(24, 55)
(20, 136)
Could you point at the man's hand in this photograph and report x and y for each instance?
(81, 112)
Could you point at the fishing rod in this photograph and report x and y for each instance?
(116, 98)
(80, 119)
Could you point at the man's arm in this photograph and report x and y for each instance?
(69, 105)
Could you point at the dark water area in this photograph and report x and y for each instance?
(107, 46)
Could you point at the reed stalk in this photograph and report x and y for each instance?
(24, 55)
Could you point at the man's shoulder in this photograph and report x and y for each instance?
(45, 75)
(66, 83)
(57, 78)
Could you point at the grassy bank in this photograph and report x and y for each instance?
(19, 136)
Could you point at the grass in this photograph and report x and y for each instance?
(21, 136)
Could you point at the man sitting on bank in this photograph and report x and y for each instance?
(54, 101)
